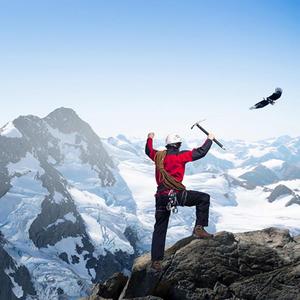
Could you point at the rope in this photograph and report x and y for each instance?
(169, 181)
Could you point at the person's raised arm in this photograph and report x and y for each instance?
(149, 146)
(200, 152)
(197, 153)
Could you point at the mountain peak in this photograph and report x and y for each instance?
(63, 111)
(65, 119)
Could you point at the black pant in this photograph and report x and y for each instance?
(184, 198)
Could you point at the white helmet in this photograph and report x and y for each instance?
(173, 138)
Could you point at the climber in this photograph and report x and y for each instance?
(169, 172)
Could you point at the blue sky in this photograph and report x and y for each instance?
(137, 66)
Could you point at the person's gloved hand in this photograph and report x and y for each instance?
(211, 136)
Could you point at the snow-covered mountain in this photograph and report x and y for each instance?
(14, 277)
(66, 214)
(75, 208)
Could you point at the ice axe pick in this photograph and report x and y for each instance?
(206, 132)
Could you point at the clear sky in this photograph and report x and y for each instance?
(133, 66)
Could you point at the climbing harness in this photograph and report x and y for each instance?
(172, 203)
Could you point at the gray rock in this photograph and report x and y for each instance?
(279, 191)
(260, 176)
(111, 288)
(233, 182)
(294, 200)
(253, 265)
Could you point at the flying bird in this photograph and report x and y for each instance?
(269, 100)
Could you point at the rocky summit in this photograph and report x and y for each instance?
(261, 264)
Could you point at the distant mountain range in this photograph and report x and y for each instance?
(75, 208)
(248, 183)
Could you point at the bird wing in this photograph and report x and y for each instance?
(276, 95)
(260, 104)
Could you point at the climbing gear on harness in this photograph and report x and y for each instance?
(172, 203)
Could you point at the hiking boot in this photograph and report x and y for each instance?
(156, 265)
(200, 233)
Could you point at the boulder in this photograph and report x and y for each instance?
(253, 265)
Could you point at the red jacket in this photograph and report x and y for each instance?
(175, 161)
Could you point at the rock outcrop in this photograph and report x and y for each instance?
(260, 176)
(252, 265)
(280, 191)
(294, 200)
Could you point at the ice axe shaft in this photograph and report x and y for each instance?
(206, 132)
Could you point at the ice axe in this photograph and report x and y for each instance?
(206, 132)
